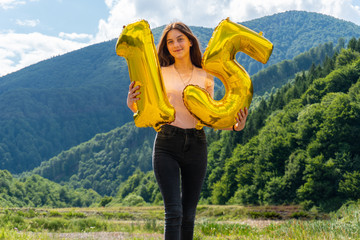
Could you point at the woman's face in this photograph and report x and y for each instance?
(178, 44)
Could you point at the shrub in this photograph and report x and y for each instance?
(133, 200)
(105, 201)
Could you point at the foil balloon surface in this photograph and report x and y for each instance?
(136, 45)
(219, 60)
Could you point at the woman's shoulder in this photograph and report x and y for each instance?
(200, 71)
(204, 73)
(166, 69)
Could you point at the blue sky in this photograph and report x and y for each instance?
(34, 30)
(51, 17)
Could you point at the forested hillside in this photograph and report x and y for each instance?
(104, 162)
(295, 32)
(59, 103)
(36, 191)
(277, 75)
(308, 150)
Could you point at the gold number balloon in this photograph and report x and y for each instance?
(136, 44)
(228, 38)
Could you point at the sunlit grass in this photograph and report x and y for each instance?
(345, 224)
(213, 222)
(13, 234)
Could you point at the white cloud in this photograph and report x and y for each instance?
(8, 4)
(76, 36)
(343, 9)
(120, 13)
(110, 3)
(20, 50)
(28, 22)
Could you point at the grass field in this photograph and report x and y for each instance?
(213, 222)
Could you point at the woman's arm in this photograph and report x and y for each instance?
(240, 121)
(133, 97)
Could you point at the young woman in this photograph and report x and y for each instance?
(180, 154)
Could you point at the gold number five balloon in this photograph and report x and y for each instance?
(136, 44)
(228, 38)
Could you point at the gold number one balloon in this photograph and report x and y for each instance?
(228, 38)
(136, 44)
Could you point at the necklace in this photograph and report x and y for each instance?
(193, 119)
(185, 84)
(188, 80)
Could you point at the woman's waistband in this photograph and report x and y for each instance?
(174, 129)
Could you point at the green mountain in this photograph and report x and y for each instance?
(61, 102)
(103, 162)
(295, 32)
(307, 151)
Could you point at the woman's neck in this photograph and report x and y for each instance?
(183, 65)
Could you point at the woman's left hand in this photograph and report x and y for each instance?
(241, 119)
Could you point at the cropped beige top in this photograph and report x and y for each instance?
(174, 86)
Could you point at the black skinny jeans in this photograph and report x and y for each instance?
(180, 158)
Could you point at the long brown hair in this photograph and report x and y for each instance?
(165, 57)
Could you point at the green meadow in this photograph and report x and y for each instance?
(213, 222)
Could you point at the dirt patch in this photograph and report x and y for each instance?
(253, 223)
(105, 236)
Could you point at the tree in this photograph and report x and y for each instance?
(346, 56)
(352, 45)
(350, 185)
(275, 191)
(322, 179)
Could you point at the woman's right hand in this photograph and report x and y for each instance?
(133, 97)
